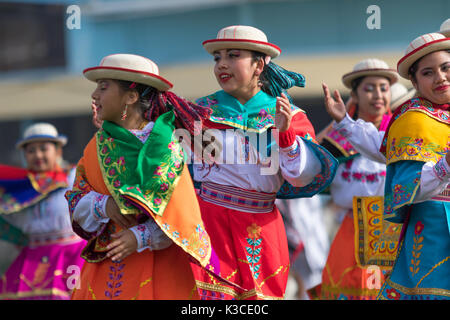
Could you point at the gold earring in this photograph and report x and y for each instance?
(124, 113)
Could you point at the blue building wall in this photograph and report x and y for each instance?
(298, 27)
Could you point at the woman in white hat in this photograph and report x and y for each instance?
(415, 148)
(133, 197)
(357, 176)
(237, 196)
(32, 200)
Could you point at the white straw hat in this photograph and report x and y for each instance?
(41, 132)
(420, 47)
(400, 94)
(128, 67)
(242, 37)
(370, 67)
(445, 28)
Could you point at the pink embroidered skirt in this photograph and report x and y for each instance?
(44, 271)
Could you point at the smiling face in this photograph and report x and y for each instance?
(432, 78)
(373, 96)
(42, 156)
(237, 73)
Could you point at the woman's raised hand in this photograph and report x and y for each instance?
(334, 106)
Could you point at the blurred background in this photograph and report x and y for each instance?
(46, 44)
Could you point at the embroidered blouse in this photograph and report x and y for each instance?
(367, 139)
(244, 161)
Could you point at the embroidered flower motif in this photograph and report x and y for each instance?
(164, 186)
(254, 231)
(418, 228)
(112, 172)
(157, 171)
(157, 201)
(117, 183)
(177, 164)
(121, 161)
(171, 175)
(262, 113)
(108, 160)
(418, 142)
(105, 149)
(172, 146)
(393, 294)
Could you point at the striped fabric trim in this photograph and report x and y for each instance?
(237, 198)
(57, 237)
(444, 195)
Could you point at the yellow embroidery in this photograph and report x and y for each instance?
(432, 269)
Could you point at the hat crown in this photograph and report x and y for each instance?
(423, 40)
(242, 33)
(371, 63)
(40, 129)
(445, 26)
(131, 62)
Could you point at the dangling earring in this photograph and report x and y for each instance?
(260, 84)
(124, 113)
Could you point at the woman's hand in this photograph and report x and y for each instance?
(335, 108)
(113, 212)
(283, 114)
(124, 245)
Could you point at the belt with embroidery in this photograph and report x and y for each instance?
(237, 198)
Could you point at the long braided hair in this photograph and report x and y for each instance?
(188, 115)
(154, 103)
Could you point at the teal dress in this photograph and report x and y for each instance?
(422, 268)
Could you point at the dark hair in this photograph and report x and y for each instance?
(265, 84)
(415, 66)
(143, 101)
(153, 103)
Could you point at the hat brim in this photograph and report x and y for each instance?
(407, 61)
(61, 139)
(149, 79)
(446, 33)
(265, 47)
(348, 78)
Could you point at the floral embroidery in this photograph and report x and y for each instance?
(114, 282)
(400, 194)
(370, 177)
(393, 294)
(440, 170)
(414, 147)
(254, 251)
(417, 246)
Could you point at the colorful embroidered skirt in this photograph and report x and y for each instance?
(422, 268)
(342, 277)
(251, 246)
(43, 272)
(148, 275)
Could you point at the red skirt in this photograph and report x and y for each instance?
(252, 251)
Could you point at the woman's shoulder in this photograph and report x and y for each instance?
(420, 108)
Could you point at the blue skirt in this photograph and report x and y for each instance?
(422, 268)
